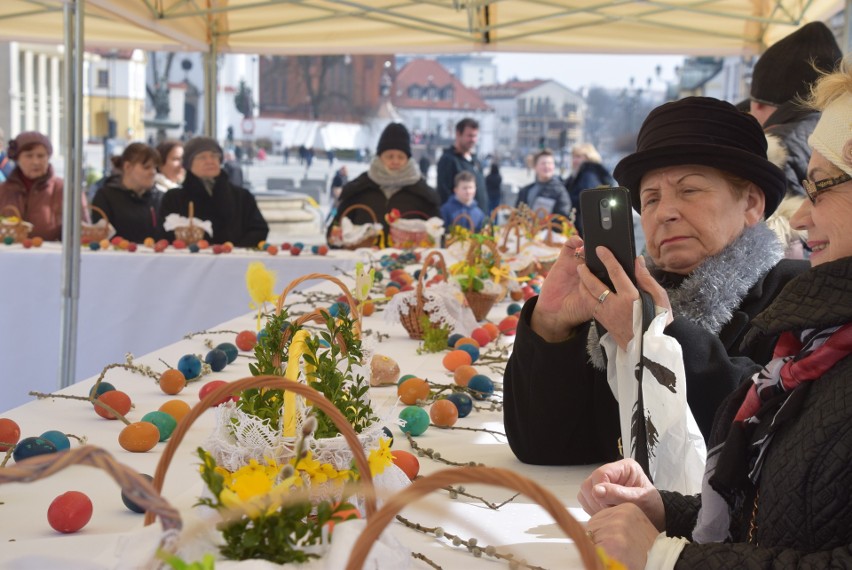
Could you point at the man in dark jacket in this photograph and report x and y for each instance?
(783, 75)
(460, 157)
(548, 191)
(232, 210)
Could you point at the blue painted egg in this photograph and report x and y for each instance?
(230, 350)
(481, 386)
(32, 446)
(164, 422)
(102, 387)
(193, 248)
(299, 244)
(129, 503)
(453, 339)
(57, 438)
(471, 350)
(217, 359)
(463, 402)
(415, 419)
(513, 309)
(190, 366)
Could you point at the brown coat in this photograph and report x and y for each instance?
(41, 205)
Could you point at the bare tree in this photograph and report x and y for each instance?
(315, 71)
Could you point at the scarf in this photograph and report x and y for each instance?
(392, 181)
(715, 289)
(771, 400)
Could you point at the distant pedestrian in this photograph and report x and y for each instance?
(286, 155)
(425, 163)
(586, 172)
(548, 192)
(330, 155)
(494, 186)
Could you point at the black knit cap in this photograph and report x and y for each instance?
(705, 131)
(196, 145)
(395, 137)
(785, 70)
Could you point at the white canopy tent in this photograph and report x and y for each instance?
(699, 27)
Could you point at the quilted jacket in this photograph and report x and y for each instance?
(804, 507)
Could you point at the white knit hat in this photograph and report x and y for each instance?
(832, 136)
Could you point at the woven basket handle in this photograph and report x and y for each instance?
(360, 207)
(100, 212)
(15, 211)
(514, 223)
(464, 216)
(433, 259)
(487, 475)
(139, 489)
(417, 213)
(275, 383)
(191, 212)
(353, 306)
(497, 210)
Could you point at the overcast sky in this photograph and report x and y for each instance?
(584, 70)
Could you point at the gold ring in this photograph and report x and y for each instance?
(578, 254)
(603, 296)
(591, 535)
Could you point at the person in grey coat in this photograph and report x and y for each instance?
(548, 192)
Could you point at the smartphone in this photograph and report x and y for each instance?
(608, 221)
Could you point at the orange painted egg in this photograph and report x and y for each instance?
(413, 390)
(444, 413)
(176, 409)
(117, 400)
(456, 358)
(481, 336)
(463, 374)
(408, 462)
(466, 340)
(493, 330)
(139, 437)
(172, 381)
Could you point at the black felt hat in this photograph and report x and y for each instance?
(786, 68)
(705, 131)
(395, 137)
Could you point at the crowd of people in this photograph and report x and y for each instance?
(145, 186)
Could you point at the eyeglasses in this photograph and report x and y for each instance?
(814, 189)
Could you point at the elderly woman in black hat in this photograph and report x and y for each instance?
(702, 184)
(232, 210)
(33, 189)
(776, 487)
(393, 181)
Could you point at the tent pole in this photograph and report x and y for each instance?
(211, 78)
(71, 204)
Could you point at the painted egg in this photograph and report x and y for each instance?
(444, 413)
(32, 446)
(472, 350)
(69, 512)
(415, 420)
(164, 423)
(463, 402)
(190, 365)
(217, 359)
(176, 409)
(172, 381)
(10, 433)
(408, 462)
(139, 437)
(481, 386)
(57, 438)
(115, 399)
(413, 390)
(128, 502)
(463, 374)
(230, 351)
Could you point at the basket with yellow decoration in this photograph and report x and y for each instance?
(12, 225)
(480, 275)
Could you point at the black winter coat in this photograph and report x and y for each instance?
(134, 217)
(233, 210)
(419, 197)
(558, 409)
(792, 124)
(804, 509)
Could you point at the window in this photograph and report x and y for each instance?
(414, 92)
(103, 78)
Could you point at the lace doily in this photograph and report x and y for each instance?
(354, 233)
(173, 221)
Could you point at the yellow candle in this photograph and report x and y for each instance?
(297, 348)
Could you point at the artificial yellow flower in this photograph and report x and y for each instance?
(380, 458)
(363, 282)
(260, 282)
(318, 473)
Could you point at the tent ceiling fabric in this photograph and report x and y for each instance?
(701, 27)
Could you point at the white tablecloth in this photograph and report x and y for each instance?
(129, 302)
(520, 526)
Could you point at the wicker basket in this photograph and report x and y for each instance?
(136, 487)
(316, 315)
(95, 232)
(366, 489)
(485, 475)
(190, 234)
(411, 319)
(481, 302)
(369, 240)
(19, 231)
(405, 239)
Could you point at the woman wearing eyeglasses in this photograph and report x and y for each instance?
(776, 491)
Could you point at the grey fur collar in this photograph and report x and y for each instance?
(710, 294)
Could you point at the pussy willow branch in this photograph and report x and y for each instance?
(96, 402)
(192, 334)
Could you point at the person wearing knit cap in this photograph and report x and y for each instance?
(232, 210)
(393, 182)
(782, 78)
(33, 189)
(702, 185)
(777, 479)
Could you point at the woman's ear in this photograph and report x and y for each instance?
(755, 205)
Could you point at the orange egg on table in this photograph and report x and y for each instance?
(390, 291)
(38, 241)
(516, 294)
(172, 381)
(463, 374)
(139, 437)
(493, 330)
(176, 409)
(368, 308)
(413, 390)
(115, 399)
(466, 340)
(407, 462)
(444, 413)
(456, 358)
